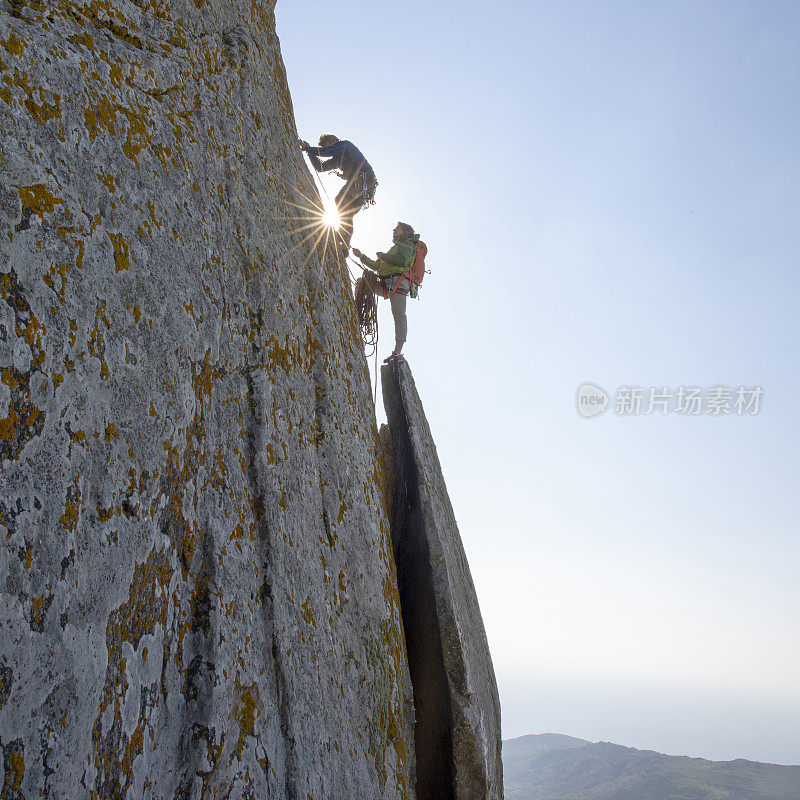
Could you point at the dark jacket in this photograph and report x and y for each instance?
(343, 155)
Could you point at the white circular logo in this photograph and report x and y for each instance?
(591, 400)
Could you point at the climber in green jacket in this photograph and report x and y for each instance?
(388, 275)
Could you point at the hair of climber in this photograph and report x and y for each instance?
(327, 139)
(404, 229)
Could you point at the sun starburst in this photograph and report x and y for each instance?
(330, 214)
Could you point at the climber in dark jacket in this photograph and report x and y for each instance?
(358, 175)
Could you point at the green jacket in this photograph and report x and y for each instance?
(398, 260)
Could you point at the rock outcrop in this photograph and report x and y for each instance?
(199, 595)
(455, 693)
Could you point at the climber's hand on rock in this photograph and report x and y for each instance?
(357, 253)
(304, 145)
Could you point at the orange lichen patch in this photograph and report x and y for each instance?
(238, 533)
(108, 181)
(15, 769)
(83, 38)
(137, 314)
(183, 535)
(81, 251)
(61, 271)
(145, 608)
(121, 251)
(138, 131)
(69, 519)
(205, 377)
(24, 420)
(246, 715)
(104, 15)
(39, 608)
(151, 208)
(43, 111)
(14, 45)
(307, 614)
(38, 200)
(99, 115)
(96, 343)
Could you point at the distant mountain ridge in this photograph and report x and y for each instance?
(552, 766)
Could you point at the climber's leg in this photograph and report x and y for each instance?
(348, 202)
(398, 303)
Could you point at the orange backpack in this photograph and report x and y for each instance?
(415, 273)
(418, 267)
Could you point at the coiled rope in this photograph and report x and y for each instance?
(367, 312)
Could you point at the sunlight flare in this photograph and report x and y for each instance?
(330, 214)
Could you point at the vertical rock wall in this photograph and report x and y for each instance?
(455, 694)
(198, 597)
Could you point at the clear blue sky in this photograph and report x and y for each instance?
(609, 192)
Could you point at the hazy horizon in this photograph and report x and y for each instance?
(727, 727)
(623, 744)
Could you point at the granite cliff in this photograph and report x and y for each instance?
(199, 589)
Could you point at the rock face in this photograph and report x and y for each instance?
(199, 596)
(455, 693)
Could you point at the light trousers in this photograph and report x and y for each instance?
(397, 301)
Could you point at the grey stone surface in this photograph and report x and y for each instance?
(457, 707)
(197, 590)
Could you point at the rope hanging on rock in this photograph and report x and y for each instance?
(367, 312)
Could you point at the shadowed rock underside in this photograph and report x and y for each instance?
(455, 693)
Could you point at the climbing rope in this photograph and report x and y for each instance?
(367, 313)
